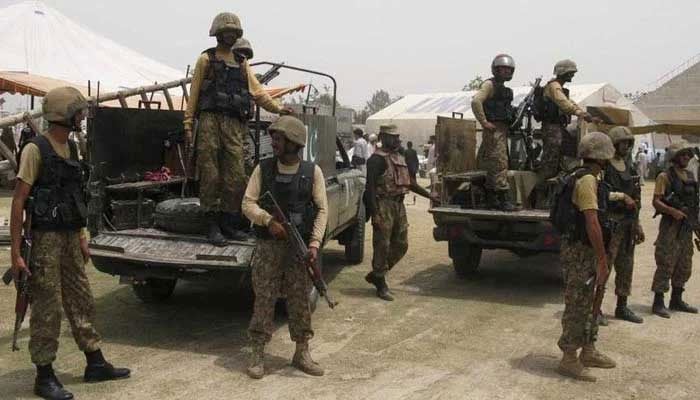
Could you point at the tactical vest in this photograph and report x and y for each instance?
(396, 180)
(225, 89)
(683, 194)
(59, 196)
(625, 182)
(498, 107)
(294, 195)
(551, 112)
(571, 222)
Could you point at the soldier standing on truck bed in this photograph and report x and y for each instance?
(627, 232)
(51, 174)
(300, 190)
(492, 108)
(388, 181)
(221, 96)
(676, 199)
(555, 111)
(583, 257)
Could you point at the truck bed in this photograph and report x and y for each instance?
(159, 248)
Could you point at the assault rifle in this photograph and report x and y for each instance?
(22, 284)
(271, 74)
(596, 311)
(690, 222)
(526, 109)
(301, 250)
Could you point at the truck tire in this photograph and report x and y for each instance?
(467, 263)
(181, 216)
(154, 290)
(355, 248)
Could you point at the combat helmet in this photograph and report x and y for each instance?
(373, 137)
(677, 148)
(243, 47)
(225, 21)
(502, 60)
(292, 128)
(620, 134)
(389, 130)
(596, 146)
(61, 104)
(564, 67)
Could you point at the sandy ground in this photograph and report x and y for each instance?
(492, 337)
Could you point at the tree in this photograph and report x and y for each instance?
(361, 116)
(379, 101)
(473, 84)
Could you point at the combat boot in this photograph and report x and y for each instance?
(47, 385)
(303, 362)
(99, 370)
(592, 358)
(214, 231)
(677, 303)
(228, 224)
(624, 313)
(659, 308)
(504, 203)
(571, 366)
(256, 365)
(382, 288)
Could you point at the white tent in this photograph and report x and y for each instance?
(38, 40)
(416, 114)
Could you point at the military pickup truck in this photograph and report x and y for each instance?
(462, 218)
(145, 222)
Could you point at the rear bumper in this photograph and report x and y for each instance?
(528, 230)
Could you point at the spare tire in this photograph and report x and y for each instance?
(181, 216)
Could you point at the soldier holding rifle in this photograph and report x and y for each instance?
(583, 259)
(676, 199)
(300, 190)
(51, 174)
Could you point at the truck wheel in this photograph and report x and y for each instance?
(154, 290)
(355, 249)
(466, 263)
(181, 216)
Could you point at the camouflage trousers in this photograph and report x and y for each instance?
(579, 264)
(552, 161)
(58, 278)
(220, 159)
(621, 256)
(390, 237)
(673, 254)
(276, 272)
(494, 157)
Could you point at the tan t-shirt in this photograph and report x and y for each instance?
(261, 97)
(585, 196)
(663, 182)
(260, 217)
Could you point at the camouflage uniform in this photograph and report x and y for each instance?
(389, 222)
(221, 162)
(552, 160)
(578, 261)
(275, 267)
(390, 238)
(673, 254)
(621, 256)
(495, 157)
(58, 277)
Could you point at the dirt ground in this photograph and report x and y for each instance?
(492, 337)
